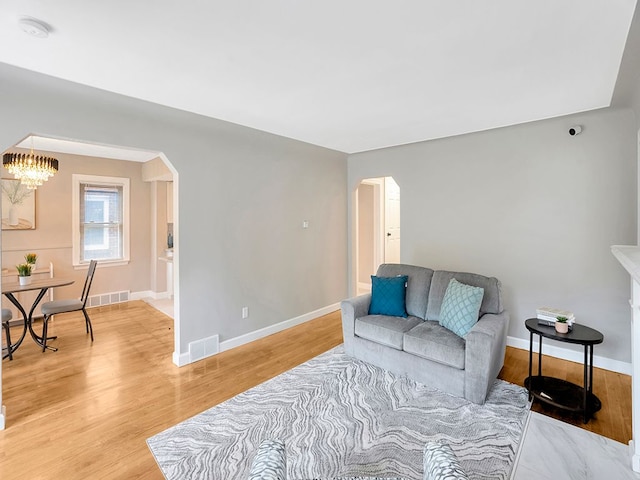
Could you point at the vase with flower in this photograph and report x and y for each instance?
(562, 325)
(31, 259)
(24, 273)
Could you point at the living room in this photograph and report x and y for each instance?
(527, 203)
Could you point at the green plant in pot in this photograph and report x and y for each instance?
(31, 258)
(562, 324)
(24, 273)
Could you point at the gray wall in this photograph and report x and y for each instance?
(243, 195)
(530, 205)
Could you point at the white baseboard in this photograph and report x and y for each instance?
(149, 294)
(278, 327)
(3, 415)
(181, 359)
(571, 355)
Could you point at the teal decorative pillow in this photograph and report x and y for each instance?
(460, 307)
(388, 296)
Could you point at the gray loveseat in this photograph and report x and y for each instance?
(418, 346)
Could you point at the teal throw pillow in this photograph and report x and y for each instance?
(388, 296)
(460, 307)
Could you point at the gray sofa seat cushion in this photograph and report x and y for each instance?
(384, 329)
(434, 342)
(491, 301)
(418, 285)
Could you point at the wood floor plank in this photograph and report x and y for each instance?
(86, 410)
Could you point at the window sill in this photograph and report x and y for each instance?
(102, 263)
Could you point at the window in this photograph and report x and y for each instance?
(100, 219)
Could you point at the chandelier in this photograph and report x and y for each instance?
(32, 170)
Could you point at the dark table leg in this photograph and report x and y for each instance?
(586, 386)
(540, 355)
(29, 319)
(530, 363)
(590, 368)
(15, 302)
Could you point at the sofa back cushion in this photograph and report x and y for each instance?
(418, 284)
(491, 301)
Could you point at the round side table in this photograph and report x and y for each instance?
(555, 391)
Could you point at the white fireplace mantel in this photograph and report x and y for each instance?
(629, 257)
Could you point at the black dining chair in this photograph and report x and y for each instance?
(6, 318)
(65, 306)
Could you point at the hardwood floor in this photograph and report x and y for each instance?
(86, 410)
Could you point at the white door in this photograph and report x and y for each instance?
(392, 221)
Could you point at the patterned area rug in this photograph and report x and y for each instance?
(340, 417)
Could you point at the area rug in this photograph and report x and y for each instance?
(340, 417)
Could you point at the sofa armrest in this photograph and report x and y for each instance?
(484, 355)
(270, 462)
(351, 309)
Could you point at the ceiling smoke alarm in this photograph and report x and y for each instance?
(34, 27)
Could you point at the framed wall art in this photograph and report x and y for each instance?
(18, 206)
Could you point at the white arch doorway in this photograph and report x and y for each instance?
(106, 153)
(377, 222)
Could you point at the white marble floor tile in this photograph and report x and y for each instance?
(554, 450)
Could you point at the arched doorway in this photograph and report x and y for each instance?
(377, 227)
(58, 252)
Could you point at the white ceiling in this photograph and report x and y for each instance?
(350, 75)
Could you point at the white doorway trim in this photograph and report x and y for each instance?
(379, 226)
(378, 220)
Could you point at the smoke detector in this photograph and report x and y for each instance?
(34, 27)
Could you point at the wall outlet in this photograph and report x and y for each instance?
(305, 224)
(245, 312)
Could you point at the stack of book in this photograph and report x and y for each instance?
(548, 316)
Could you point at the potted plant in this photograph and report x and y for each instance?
(31, 258)
(561, 324)
(24, 273)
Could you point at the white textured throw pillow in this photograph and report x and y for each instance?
(460, 307)
(440, 463)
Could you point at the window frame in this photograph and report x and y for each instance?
(123, 182)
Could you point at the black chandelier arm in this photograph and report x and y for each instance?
(39, 161)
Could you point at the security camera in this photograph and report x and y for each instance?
(573, 131)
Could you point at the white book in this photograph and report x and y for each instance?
(554, 312)
(553, 319)
(550, 321)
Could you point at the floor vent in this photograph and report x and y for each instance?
(108, 298)
(204, 348)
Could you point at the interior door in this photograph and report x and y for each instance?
(392, 221)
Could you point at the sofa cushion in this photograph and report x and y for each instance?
(432, 341)
(385, 330)
(388, 296)
(417, 285)
(491, 302)
(460, 307)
